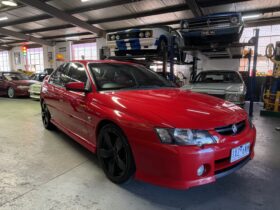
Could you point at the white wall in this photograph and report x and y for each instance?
(49, 62)
(22, 64)
(63, 48)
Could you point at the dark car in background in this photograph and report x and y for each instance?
(14, 84)
(213, 28)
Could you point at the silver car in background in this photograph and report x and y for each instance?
(225, 84)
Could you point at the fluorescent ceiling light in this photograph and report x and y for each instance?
(84, 0)
(9, 3)
(251, 16)
(3, 18)
(72, 38)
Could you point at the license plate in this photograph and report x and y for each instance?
(208, 33)
(240, 152)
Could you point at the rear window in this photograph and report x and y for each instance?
(218, 77)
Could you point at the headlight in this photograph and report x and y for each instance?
(185, 25)
(22, 87)
(141, 34)
(113, 37)
(233, 97)
(185, 136)
(148, 34)
(234, 20)
(118, 37)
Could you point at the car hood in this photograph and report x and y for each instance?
(24, 82)
(217, 88)
(173, 107)
(37, 84)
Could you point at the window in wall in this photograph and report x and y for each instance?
(4, 61)
(85, 51)
(35, 59)
(267, 35)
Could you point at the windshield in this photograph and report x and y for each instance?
(15, 76)
(113, 76)
(38, 77)
(218, 77)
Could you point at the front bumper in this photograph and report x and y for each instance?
(133, 44)
(21, 92)
(34, 95)
(176, 166)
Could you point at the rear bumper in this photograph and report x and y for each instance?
(176, 167)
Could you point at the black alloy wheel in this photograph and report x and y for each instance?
(115, 155)
(46, 117)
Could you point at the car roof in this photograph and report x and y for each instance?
(13, 72)
(218, 71)
(85, 62)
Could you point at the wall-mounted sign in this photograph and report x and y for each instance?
(50, 56)
(62, 49)
(59, 57)
(17, 58)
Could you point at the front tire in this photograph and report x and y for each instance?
(11, 92)
(46, 117)
(115, 155)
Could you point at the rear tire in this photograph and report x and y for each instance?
(46, 117)
(11, 92)
(114, 154)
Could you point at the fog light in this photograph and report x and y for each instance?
(200, 170)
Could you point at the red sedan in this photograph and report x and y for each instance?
(141, 126)
(14, 84)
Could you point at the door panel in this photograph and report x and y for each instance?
(75, 102)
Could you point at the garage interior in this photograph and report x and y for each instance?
(40, 169)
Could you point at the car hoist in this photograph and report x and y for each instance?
(271, 95)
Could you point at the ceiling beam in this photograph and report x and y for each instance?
(211, 3)
(176, 8)
(262, 22)
(4, 48)
(195, 8)
(62, 15)
(159, 11)
(25, 37)
(87, 8)
(106, 5)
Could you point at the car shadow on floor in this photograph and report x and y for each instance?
(223, 189)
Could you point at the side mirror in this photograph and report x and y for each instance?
(76, 86)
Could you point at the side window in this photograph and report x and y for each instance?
(77, 73)
(59, 77)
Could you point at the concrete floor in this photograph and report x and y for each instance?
(40, 169)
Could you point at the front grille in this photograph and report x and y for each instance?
(231, 167)
(209, 22)
(222, 96)
(130, 35)
(232, 129)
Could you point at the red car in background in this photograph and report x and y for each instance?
(141, 126)
(14, 84)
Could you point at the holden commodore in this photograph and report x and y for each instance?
(14, 84)
(140, 126)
